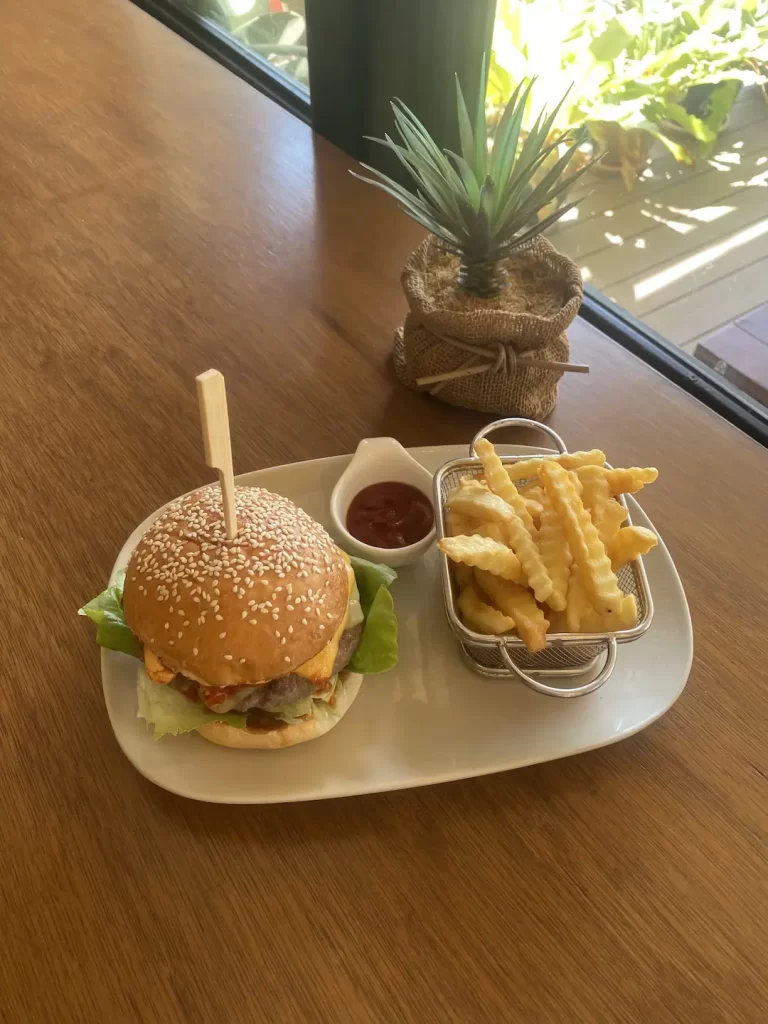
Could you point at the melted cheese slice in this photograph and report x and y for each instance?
(321, 666)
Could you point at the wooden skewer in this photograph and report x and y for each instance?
(544, 364)
(212, 397)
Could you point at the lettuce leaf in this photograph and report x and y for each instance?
(377, 650)
(291, 713)
(370, 577)
(170, 713)
(312, 705)
(106, 611)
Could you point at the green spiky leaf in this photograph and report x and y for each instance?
(483, 206)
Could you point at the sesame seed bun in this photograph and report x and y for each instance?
(232, 612)
(285, 735)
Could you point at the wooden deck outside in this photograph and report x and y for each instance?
(687, 249)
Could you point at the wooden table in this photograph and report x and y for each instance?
(160, 217)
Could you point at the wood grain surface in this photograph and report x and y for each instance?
(160, 217)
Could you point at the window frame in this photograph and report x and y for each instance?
(368, 51)
(212, 39)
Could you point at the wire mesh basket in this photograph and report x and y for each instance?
(587, 659)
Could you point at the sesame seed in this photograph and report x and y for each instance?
(219, 618)
(222, 635)
(167, 625)
(277, 633)
(322, 628)
(254, 622)
(227, 657)
(286, 658)
(242, 661)
(180, 634)
(170, 643)
(289, 607)
(186, 622)
(195, 650)
(282, 641)
(303, 622)
(290, 629)
(244, 615)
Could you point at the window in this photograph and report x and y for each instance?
(274, 30)
(673, 228)
(672, 232)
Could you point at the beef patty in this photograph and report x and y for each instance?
(287, 689)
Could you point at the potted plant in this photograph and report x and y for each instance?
(489, 298)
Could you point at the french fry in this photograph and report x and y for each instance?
(571, 460)
(533, 496)
(627, 617)
(480, 616)
(557, 623)
(609, 523)
(493, 530)
(595, 490)
(484, 553)
(626, 544)
(534, 492)
(492, 508)
(487, 507)
(526, 550)
(518, 603)
(591, 622)
(473, 484)
(556, 556)
(588, 551)
(535, 508)
(500, 484)
(455, 524)
(577, 605)
(464, 574)
(629, 481)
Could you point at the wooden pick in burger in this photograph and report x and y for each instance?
(212, 397)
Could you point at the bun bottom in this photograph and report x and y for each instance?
(289, 735)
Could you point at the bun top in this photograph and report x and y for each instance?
(241, 611)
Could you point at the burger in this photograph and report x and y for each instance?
(257, 642)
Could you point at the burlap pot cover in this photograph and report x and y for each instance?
(542, 296)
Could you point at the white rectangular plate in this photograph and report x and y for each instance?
(431, 719)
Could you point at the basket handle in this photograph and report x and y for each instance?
(518, 421)
(557, 691)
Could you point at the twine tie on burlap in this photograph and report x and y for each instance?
(505, 360)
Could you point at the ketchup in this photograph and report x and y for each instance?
(390, 515)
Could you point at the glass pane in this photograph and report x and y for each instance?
(673, 225)
(273, 30)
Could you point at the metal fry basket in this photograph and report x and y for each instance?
(587, 659)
